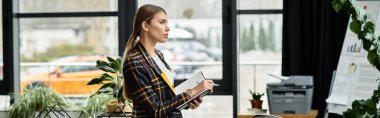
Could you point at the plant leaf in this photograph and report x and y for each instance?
(377, 62)
(336, 5)
(105, 90)
(343, 2)
(102, 65)
(118, 60)
(107, 77)
(115, 67)
(366, 44)
(113, 63)
(115, 90)
(95, 81)
(105, 86)
(369, 27)
(371, 56)
(120, 96)
(355, 26)
(110, 59)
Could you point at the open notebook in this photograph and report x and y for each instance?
(188, 84)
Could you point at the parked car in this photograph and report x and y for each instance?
(187, 50)
(66, 79)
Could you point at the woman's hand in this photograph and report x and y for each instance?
(195, 103)
(205, 84)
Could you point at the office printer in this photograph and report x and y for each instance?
(291, 96)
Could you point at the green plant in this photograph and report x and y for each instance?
(364, 28)
(256, 95)
(112, 78)
(35, 99)
(95, 104)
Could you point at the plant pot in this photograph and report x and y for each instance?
(256, 104)
(110, 106)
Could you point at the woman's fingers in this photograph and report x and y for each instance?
(192, 106)
(205, 84)
(196, 103)
(210, 85)
(210, 81)
(200, 100)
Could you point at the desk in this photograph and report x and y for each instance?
(312, 114)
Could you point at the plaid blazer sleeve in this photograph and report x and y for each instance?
(139, 82)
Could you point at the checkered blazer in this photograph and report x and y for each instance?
(152, 94)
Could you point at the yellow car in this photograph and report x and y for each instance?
(68, 79)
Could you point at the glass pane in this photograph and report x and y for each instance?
(195, 29)
(67, 5)
(259, 4)
(260, 41)
(62, 52)
(1, 42)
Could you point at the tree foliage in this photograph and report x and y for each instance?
(263, 41)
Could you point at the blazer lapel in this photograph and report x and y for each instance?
(153, 65)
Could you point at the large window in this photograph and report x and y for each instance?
(259, 25)
(60, 41)
(195, 44)
(50, 47)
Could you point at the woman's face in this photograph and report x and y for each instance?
(158, 29)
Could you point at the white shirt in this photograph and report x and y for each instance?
(167, 72)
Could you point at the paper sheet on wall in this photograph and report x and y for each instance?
(4, 102)
(355, 77)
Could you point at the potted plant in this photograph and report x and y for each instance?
(364, 27)
(35, 99)
(256, 101)
(95, 105)
(112, 83)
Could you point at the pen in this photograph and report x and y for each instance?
(212, 84)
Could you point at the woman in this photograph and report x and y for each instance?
(148, 78)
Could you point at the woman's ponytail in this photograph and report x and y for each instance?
(132, 41)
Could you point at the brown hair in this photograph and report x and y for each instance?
(144, 13)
